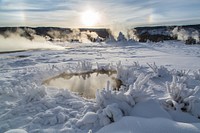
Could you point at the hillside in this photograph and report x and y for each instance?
(187, 33)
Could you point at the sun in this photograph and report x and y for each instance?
(90, 18)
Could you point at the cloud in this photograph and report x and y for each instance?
(66, 13)
(33, 6)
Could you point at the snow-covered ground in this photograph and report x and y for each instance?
(159, 93)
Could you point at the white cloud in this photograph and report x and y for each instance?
(65, 13)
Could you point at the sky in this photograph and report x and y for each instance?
(120, 13)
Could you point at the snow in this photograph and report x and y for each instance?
(154, 125)
(158, 93)
(89, 117)
(149, 109)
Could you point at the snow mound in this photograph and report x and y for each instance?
(149, 109)
(155, 125)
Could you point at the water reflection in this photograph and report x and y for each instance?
(85, 83)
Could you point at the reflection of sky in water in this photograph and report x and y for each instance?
(85, 85)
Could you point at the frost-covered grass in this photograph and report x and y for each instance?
(150, 92)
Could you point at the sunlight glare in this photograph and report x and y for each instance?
(90, 18)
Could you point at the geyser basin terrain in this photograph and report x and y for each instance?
(25, 104)
(85, 83)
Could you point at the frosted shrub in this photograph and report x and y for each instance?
(54, 69)
(88, 118)
(8, 91)
(139, 91)
(137, 65)
(182, 73)
(182, 76)
(128, 74)
(197, 74)
(84, 66)
(63, 93)
(106, 97)
(113, 112)
(182, 98)
(112, 106)
(34, 93)
(115, 104)
(13, 89)
(51, 117)
(104, 67)
(158, 71)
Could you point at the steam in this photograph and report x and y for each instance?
(14, 41)
(119, 31)
(132, 35)
(84, 36)
(74, 35)
(117, 28)
(124, 33)
(183, 34)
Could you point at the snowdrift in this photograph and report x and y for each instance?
(143, 125)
